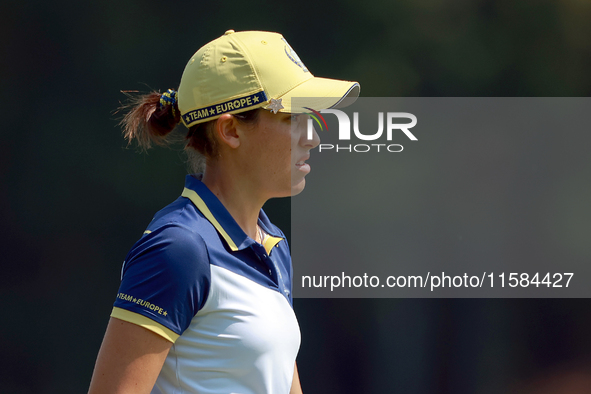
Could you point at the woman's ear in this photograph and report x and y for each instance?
(227, 132)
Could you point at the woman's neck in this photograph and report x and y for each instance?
(238, 196)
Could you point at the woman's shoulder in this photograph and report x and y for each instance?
(176, 231)
(181, 213)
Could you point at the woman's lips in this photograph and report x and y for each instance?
(301, 165)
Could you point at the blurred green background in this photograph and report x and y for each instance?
(74, 198)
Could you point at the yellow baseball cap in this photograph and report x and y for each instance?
(241, 71)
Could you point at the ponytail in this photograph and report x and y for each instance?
(150, 118)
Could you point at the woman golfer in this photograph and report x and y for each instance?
(205, 302)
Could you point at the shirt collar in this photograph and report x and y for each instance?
(214, 211)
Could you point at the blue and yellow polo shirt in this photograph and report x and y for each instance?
(198, 280)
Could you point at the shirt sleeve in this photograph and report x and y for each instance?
(165, 281)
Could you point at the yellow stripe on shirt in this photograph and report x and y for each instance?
(147, 323)
(200, 204)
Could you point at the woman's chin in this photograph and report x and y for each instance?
(298, 187)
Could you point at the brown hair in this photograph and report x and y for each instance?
(147, 123)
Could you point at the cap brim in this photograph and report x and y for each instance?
(319, 94)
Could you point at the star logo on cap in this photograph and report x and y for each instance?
(275, 105)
